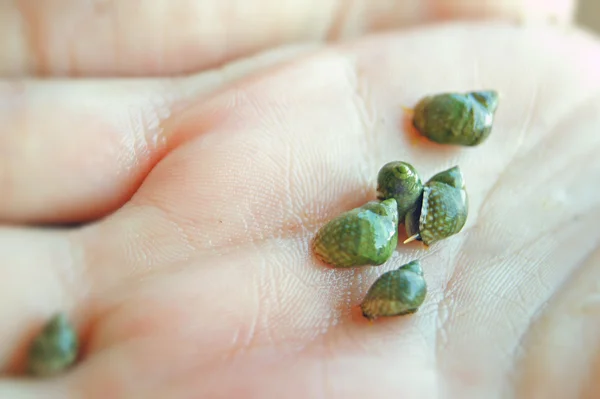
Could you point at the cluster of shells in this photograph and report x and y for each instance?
(368, 235)
(430, 211)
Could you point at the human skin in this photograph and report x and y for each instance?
(194, 278)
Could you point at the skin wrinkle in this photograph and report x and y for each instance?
(542, 309)
(370, 122)
(445, 306)
(577, 104)
(151, 133)
(338, 21)
(269, 303)
(501, 177)
(186, 244)
(551, 233)
(112, 302)
(121, 376)
(140, 151)
(366, 114)
(262, 337)
(535, 145)
(31, 29)
(532, 111)
(135, 119)
(230, 79)
(240, 347)
(351, 343)
(556, 133)
(294, 231)
(542, 312)
(447, 296)
(186, 248)
(76, 274)
(250, 337)
(300, 344)
(322, 349)
(300, 226)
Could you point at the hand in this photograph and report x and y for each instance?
(195, 277)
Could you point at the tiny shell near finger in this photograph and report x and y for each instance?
(54, 349)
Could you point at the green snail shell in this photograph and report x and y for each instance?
(54, 349)
(395, 293)
(456, 118)
(399, 180)
(443, 210)
(367, 235)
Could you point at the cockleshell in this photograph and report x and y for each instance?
(442, 211)
(464, 119)
(399, 180)
(366, 235)
(395, 293)
(54, 349)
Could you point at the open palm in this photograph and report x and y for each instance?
(202, 284)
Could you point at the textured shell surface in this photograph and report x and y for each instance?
(396, 293)
(399, 180)
(464, 119)
(367, 235)
(443, 210)
(54, 349)
(452, 177)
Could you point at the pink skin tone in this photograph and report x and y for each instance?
(199, 282)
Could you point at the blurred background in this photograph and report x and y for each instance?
(589, 14)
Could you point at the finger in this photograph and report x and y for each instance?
(68, 156)
(76, 150)
(555, 12)
(122, 37)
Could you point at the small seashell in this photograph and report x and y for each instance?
(54, 349)
(363, 236)
(395, 293)
(442, 211)
(399, 180)
(456, 118)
